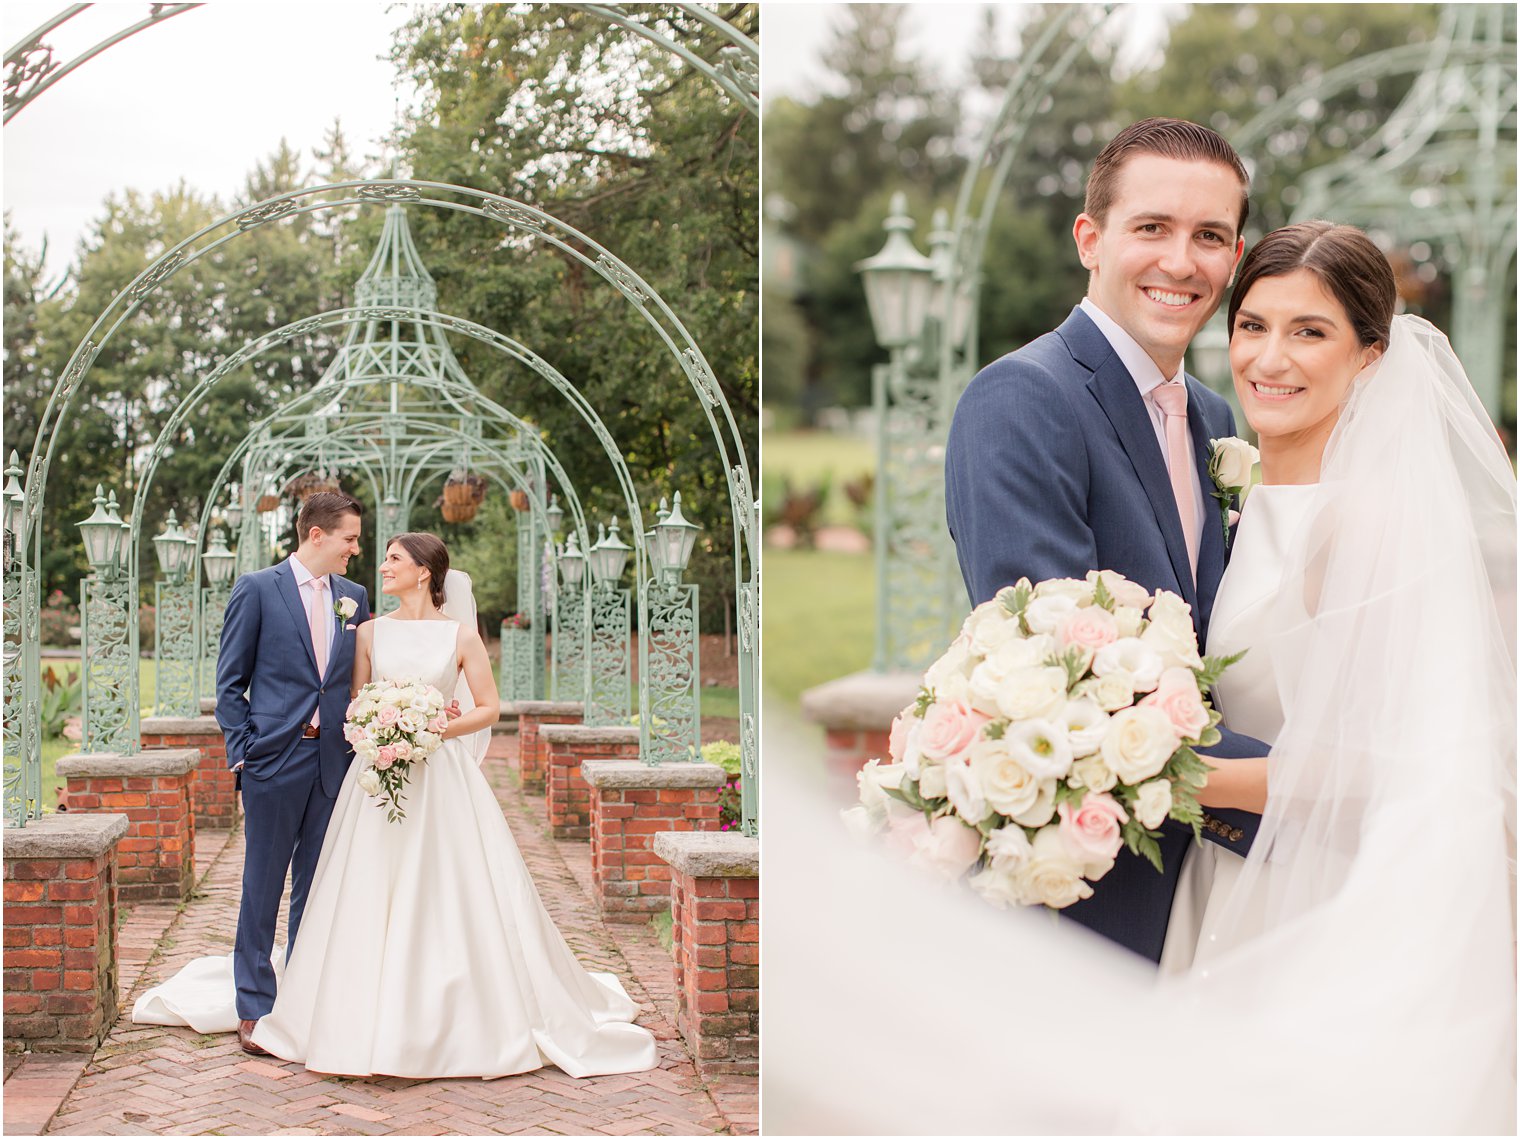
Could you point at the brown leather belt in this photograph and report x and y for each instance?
(310, 733)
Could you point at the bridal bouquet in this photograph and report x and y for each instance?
(1057, 728)
(393, 724)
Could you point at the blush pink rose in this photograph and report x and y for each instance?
(1177, 697)
(403, 750)
(897, 739)
(386, 757)
(1092, 831)
(1090, 628)
(437, 724)
(949, 730)
(387, 714)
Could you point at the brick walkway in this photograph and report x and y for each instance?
(148, 1079)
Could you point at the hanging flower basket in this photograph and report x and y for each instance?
(458, 511)
(519, 499)
(456, 489)
(267, 503)
(303, 486)
(477, 488)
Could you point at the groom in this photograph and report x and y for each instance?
(282, 681)
(1088, 448)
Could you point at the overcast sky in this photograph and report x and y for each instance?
(200, 97)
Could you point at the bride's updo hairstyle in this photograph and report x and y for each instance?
(429, 552)
(1352, 269)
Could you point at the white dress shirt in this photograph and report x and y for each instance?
(1148, 377)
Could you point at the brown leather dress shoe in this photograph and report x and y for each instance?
(245, 1038)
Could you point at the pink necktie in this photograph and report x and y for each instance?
(1171, 398)
(319, 623)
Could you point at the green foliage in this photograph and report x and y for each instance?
(61, 698)
(1213, 668)
(722, 753)
(1142, 842)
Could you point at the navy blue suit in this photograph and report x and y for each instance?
(267, 690)
(1053, 469)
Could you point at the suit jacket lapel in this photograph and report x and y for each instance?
(1211, 551)
(1115, 390)
(291, 592)
(340, 641)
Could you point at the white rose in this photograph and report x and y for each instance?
(1231, 461)
(411, 721)
(949, 847)
(1008, 847)
(1171, 633)
(1045, 613)
(428, 742)
(1110, 693)
(911, 753)
(367, 750)
(956, 661)
(1086, 724)
(347, 607)
(1040, 746)
(953, 687)
(964, 791)
(1091, 772)
(1128, 620)
(988, 626)
(1030, 692)
(859, 823)
(1051, 876)
(1044, 807)
(871, 779)
(1154, 803)
(989, 677)
(1005, 783)
(1074, 588)
(999, 886)
(1137, 657)
(1124, 592)
(369, 781)
(931, 780)
(1138, 743)
(422, 704)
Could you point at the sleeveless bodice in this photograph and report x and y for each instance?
(1252, 605)
(425, 651)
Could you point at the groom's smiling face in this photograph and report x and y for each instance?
(1162, 257)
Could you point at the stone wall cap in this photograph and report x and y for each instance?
(180, 726)
(633, 773)
(542, 707)
(710, 854)
(581, 734)
(76, 834)
(862, 701)
(133, 765)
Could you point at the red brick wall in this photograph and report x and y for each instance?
(60, 952)
(632, 883)
(568, 795)
(717, 949)
(849, 749)
(217, 805)
(157, 857)
(533, 754)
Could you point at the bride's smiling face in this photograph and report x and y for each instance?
(1294, 353)
(399, 574)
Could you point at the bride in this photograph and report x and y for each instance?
(425, 949)
(1356, 972)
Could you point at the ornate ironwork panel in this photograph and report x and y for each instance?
(674, 675)
(570, 636)
(213, 612)
(521, 650)
(23, 715)
(528, 658)
(749, 737)
(175, 645)
(611, 665)
(913, 612)
(110, 667)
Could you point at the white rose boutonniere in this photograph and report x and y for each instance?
(345, 607)
(1231, 463)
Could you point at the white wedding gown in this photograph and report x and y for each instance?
(425, 950)
(1248, 610)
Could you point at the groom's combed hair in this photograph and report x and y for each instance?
(1168, 138)
(325, 510)
(429, 552)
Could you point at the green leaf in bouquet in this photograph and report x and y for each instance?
(995, 729)
(992, 824)
(1188, 768)
(1016, 598)
(1214, 667)
(1210, 737)
(1101, 596)
(1066, 793)
(1143, 842)
(1073, 661)
(925, 699)
(1185, 808)
(907, 792)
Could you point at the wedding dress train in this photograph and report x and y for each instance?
(425, 950)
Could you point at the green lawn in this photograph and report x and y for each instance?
(807, 456)
(819, 618)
